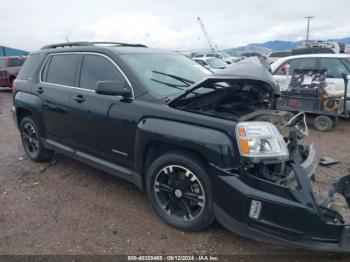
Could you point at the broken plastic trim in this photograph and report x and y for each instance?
(342, 186)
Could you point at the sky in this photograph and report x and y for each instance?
(31, 24)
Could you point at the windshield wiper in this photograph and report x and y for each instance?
(169, 84)
(181, 79)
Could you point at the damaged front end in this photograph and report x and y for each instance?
(267, 195)
(274, 193)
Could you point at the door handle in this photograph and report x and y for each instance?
(79, 98)
(40, 90)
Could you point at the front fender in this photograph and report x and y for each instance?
(215, 146)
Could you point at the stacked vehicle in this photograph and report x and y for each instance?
(9, 68)
(309, 92)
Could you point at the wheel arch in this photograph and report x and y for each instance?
(156, 137)
(27, 104)
(21, 113)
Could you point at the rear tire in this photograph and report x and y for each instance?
(31, 141)
(323, 123)
(179, 188)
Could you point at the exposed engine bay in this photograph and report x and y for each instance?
(244, 100)
(229, 100)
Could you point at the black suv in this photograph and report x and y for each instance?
(202, 146)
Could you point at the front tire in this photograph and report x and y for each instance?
(179, 188)
(31, 141)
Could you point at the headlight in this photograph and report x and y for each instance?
(261, 140)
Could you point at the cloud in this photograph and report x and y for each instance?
(169, 24)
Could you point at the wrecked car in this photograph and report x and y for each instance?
(201, 146)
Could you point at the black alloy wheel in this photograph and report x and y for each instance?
(179, 192)
(179, 187)
(31, 141)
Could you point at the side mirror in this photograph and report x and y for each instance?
(113, 88)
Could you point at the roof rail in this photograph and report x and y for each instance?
(118, 44)
(73, 44)
(68, 44)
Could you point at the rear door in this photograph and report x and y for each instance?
(58, 78)
(93, 132)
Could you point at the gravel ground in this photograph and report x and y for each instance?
(66, 207)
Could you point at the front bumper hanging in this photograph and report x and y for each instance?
(265, 211)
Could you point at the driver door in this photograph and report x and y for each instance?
(92, 130)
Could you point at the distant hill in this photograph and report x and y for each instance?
(278, 45)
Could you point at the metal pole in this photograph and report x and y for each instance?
(308, 26)
(206, 35)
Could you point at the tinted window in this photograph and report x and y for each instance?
(335, 68)
(313, 50)
(97, 68)
(298, 63)
(62, 69)
(1, 62)
(28, 67)
(279, 54)
(45, 69)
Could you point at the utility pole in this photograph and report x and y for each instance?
(308, 26)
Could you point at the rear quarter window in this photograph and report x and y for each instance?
(29, 66)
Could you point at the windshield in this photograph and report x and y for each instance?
(216, 63)
(225, 55)
(165, 74)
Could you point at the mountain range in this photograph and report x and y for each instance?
(279, 45)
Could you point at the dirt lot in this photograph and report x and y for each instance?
(65, 207)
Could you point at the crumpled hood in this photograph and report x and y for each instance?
(252, 68)
(248, 69)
